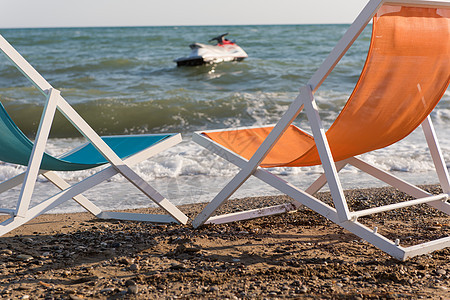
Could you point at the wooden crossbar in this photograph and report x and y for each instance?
(370, 211)
(252, 214)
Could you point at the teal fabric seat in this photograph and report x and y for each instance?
(16, 148)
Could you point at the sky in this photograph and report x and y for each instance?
(93, 13)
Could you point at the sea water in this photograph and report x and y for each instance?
(124, 81)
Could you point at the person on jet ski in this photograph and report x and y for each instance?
(226, 42)
(221, 40)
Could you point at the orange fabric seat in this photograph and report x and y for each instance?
(406, 73)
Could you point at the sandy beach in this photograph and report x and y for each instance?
(295, 255)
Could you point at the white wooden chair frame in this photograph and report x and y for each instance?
(23, 213)
(340, 213)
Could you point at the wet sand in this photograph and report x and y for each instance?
(294, 255)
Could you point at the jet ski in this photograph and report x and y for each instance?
(224, 50)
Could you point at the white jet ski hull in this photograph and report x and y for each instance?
(209, 54)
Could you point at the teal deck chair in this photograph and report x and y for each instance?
(117, 153)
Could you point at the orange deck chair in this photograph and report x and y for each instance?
(405, 75)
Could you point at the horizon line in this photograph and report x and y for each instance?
(142, 26)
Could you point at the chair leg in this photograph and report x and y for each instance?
(37, 153)
(436, 154)
(326, 158)
(223, 195)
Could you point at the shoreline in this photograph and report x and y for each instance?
(294, 255)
